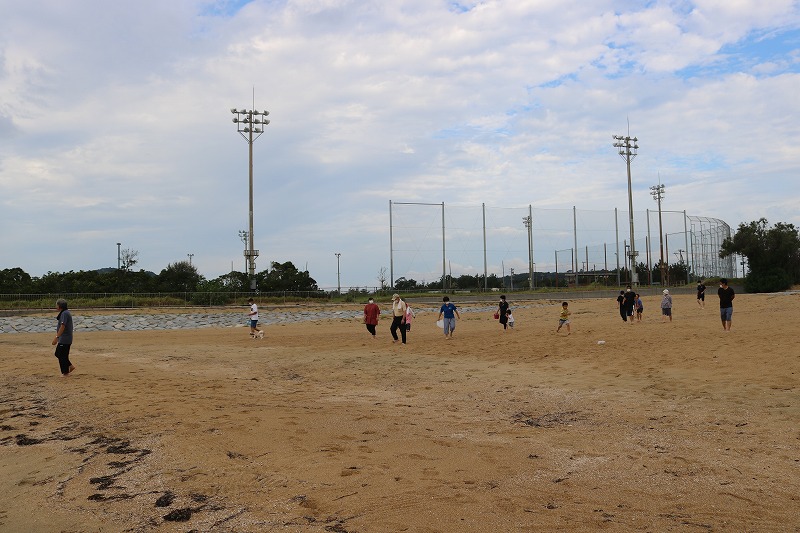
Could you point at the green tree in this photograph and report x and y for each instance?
(179, 277)
(15, 280)
(285, 277)
(233, 282)
(773, 254)
(403, 284)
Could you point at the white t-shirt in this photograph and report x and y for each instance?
(253, 312)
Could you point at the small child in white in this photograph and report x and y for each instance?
(510, 319)
(563, 319)
(666, 306)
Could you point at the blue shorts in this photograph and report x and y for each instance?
(726, 313)
(253, 323)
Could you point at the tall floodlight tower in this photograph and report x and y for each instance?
(657, 191)
(528, 221)
(250, 125)
(627, 147)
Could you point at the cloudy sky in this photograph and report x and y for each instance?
(115, 126)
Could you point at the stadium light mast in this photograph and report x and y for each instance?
(250, 125)
(627, 147)
(528, 222)
(657, 191)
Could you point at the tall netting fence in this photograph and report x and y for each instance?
(432, 241)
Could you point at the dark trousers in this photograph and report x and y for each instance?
(371, 329)
(62, 353)
(397, 322)
(623, 313)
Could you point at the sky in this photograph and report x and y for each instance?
(116, 127)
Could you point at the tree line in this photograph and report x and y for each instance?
(176, 277)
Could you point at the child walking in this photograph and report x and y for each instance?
(510, 319)
(639, 308)
(563, 320)
(666, 306)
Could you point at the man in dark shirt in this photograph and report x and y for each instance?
(701, 294)
(63, 340)
(726, 296)
(629, 301)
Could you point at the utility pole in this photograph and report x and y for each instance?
(190, 258)
(528, 221)
(119, 256)
(657, 191)
(250, 125)
(338, 276)
(627, 147)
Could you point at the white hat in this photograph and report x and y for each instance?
(666, 291)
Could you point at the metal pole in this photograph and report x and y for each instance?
(444, 265)
(556, 252)
(252, 262)
(686, 239)
(250, 125)
(485, 269)
(628, 147)
(616, 232)
(649, 241)
(338, 275)
(119, 257)
(391, 249)
(575, 241)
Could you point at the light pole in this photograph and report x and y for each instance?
(628, 147)
(119, 257)
(190, 258)
(243, 236)
(250, 125)
(657, 191)
(528, 221)
(338, 275)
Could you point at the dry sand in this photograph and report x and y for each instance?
(665, 427)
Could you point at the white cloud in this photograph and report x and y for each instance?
(116, 117)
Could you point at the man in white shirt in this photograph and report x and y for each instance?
(253, 314)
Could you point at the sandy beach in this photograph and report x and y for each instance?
(316, 428)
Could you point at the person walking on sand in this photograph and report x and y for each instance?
(621, 305)
(409, 316)
(701, 294)
(563, 319)
(502, 311)
(666, 306)
(510, 319)
(448, 313)
(629, 299)
(398, 318)
(726, 296)
(63, 339)
(255, 332)
(639, 308)
(371, 315)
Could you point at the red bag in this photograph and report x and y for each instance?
(497, 316)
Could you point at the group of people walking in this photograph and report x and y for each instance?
(628, 301)
(403, 315)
